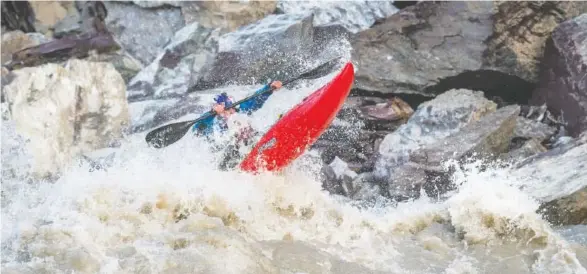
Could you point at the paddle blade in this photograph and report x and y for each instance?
(168, 134)
(321, 70)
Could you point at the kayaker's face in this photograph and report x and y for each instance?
(220, 109)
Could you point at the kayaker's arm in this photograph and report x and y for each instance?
(256, 103)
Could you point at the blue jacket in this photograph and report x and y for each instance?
(207, 126)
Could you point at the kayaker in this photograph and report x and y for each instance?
(219, 123)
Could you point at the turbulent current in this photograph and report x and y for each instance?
(173, 211)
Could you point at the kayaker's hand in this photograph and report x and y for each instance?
(276, 85)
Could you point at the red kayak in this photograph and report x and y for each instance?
(301, 126)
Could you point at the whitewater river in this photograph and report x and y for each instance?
(173, 211)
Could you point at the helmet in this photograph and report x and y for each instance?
(223, 98)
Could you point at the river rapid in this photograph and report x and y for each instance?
(173, 211)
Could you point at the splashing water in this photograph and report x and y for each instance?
(172, 211)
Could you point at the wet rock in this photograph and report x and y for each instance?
(529, 148)
(143, 32)
(394, 109)
(526, 128)
(563, 85)
(485, 138)
(520, 30)
(15, 41)
(64, 111)
(364, 187)
(254, 52)
(558, 179)
(336, 176)
(432, 121)
(153, 113)
(226, 15)
(432, 47)
(353, 16)
(407, 182)
(18, 15)
(169, 74)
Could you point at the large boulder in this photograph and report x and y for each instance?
(484, 139)
(353, 16)
(181, 60)
(67, 110)
(143, 32)
(563, 81)
(251, 54)
(433, 121)
(276, 47)
(431, 47)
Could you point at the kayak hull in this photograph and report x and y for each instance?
(300, 127)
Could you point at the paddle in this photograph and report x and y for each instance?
(171, 133)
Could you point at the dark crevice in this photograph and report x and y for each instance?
(497, 86)
(404, 4)
(414, 100)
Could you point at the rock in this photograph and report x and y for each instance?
(485, 138)
(364, 187)
(407, 182)
(353, 16)
(357, 127)
(336, 176)
(414, 48)
(60, 50)
(432, 121)
(253, 53)
(520, 32)
(65, 111)
(526, 128)
(124, 63)
(48, 13)
(17, 40)
(392, 110)
(18, 15)
(181, 59)
(82, 21)
(153, 113)
(226, 15)
(563, 85)
(143, 32)
(568, 210)
(432, 47)
(529, 148)
(558, 180)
